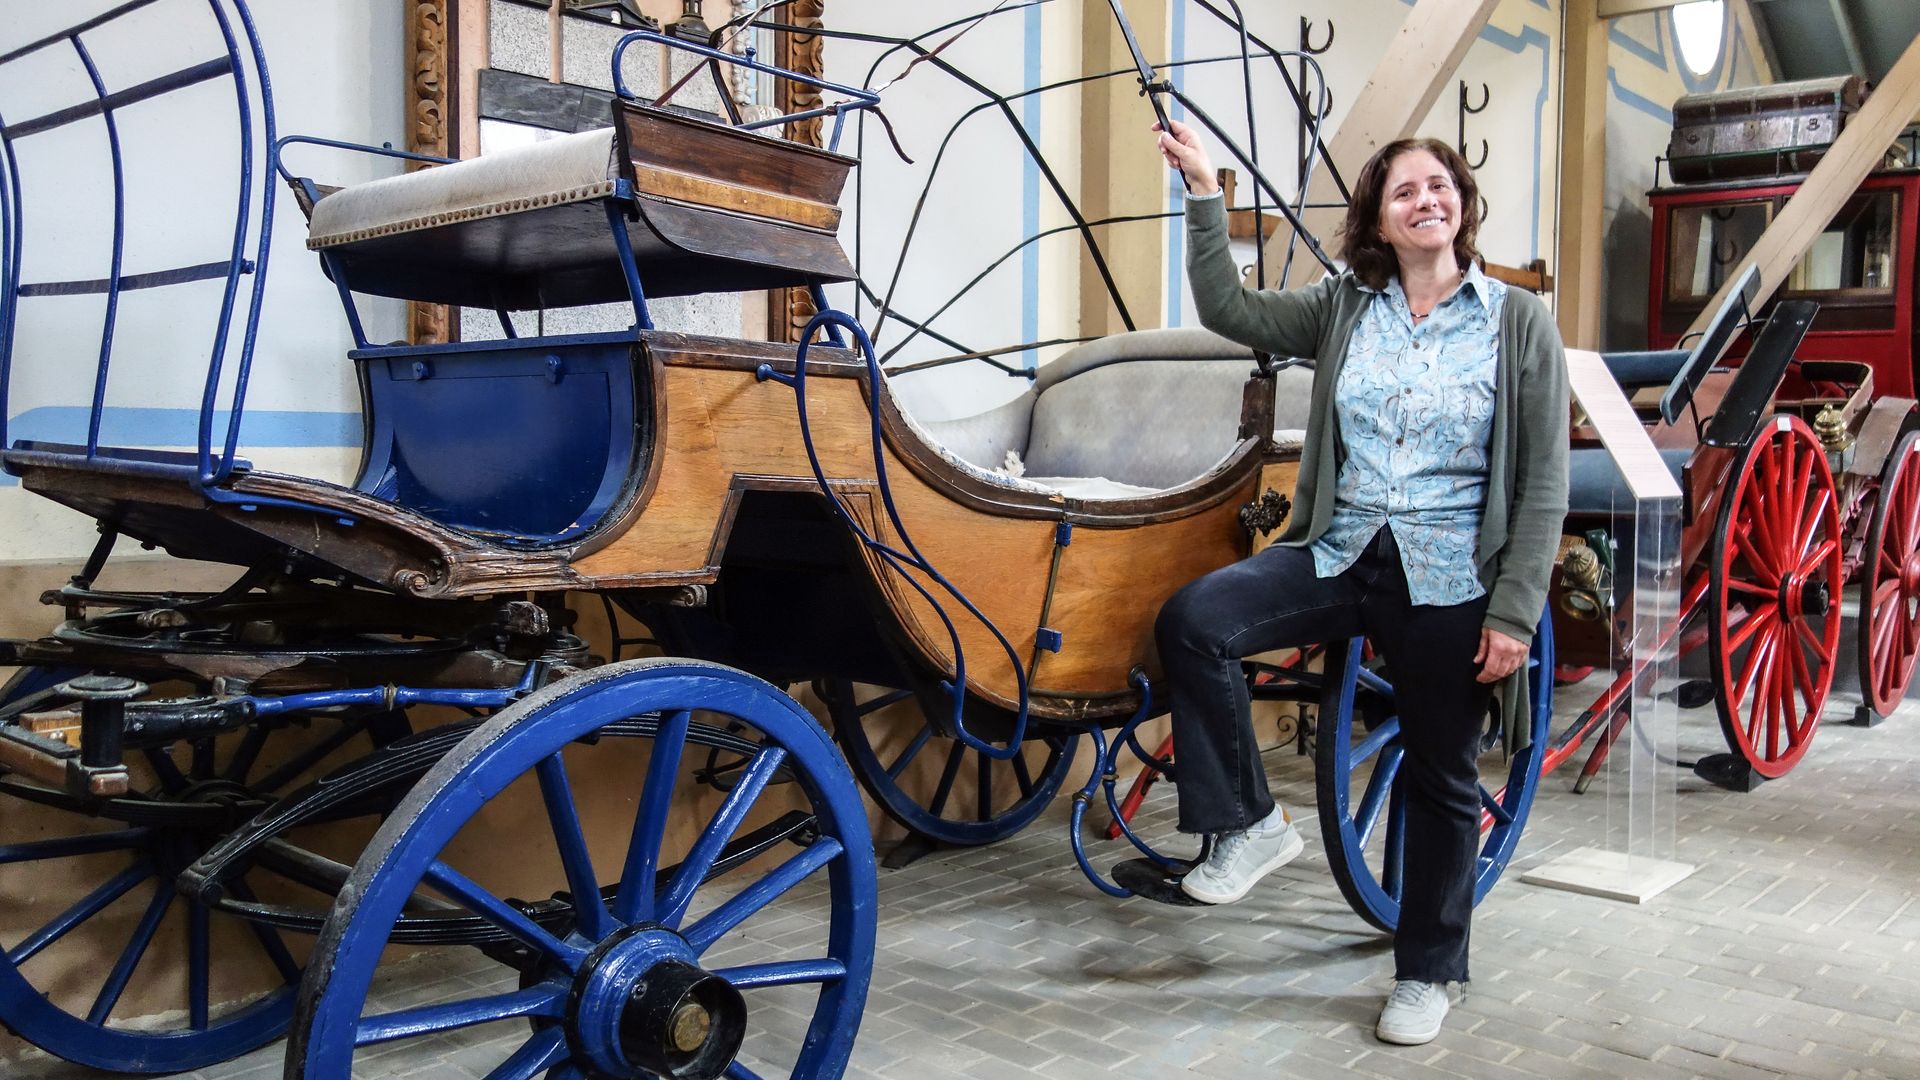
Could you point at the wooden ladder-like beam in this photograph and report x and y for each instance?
(1858, 150)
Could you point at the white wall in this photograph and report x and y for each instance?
(1515, 57)
(983, 199)
(337, 70)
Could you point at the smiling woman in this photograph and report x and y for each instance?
(1405, 479)
(1700, 28)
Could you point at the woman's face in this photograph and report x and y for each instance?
(1420, 206)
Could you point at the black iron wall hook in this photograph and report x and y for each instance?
(1467, 108)
(1313, 105)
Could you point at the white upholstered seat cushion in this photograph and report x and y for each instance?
(571, 168)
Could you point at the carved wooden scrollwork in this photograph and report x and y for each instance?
(790, 309)
(427, 82)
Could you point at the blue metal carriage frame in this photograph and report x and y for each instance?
(245, 64)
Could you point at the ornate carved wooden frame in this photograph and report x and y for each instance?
(438, 77)
(789, 309)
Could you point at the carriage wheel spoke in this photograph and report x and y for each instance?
(634, 901)
(202, 767)
(947, 775)
(300, 763)
(172, 780)
(714, 925)
(543, 1000)
(1763, 500)
(1803, 680)
(1886, 627)
(784, 973)
(269, 938)
(1762, 617)
(1810, 527)
(468, 894)
(881, 702)
(1813, 641)
(143, 936)
(1910, 506)
(1757, 708)
(1381, 736)
(1772, 703)
(199, 948)
(1757, 553)
(1391, 875)
(1889, 566)
(983, 793)
(1784, 687)
(1022, 776)
(700, 858)
(1781, 500)
(538, 1054)
(248, 752)
(920, 740)
(1810, 563)
(1748, 588)
(590, 910)
(65, 847)
(1796, 500)
(85, 908)
(1752, 683)
(1492, 804)
(1379, 787)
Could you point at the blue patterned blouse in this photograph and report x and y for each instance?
(1415, 409)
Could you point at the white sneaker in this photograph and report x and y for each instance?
(1413, 1013)
(1240, 859)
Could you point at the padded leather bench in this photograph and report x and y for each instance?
(1121, 417)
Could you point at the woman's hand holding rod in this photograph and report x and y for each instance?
(1182, 149)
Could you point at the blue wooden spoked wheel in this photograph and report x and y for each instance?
(654, 975)
(112, 938)
(1361, 804)
(937, 786)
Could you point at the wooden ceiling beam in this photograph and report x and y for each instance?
(1581, 235)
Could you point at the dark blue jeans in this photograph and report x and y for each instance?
(1274, 601)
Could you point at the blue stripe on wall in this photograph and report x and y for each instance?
(181, 427)
(1655, 54)
(1030, 193)
(261, 429)
(1635, 101)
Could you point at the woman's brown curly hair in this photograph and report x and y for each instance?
(1367, 253)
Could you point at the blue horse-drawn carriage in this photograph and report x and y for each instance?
(321, 764)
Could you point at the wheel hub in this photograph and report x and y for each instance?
(1803, 598)
(643, 1006)
(1910, 575)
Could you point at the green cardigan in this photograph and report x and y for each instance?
(1527, 479)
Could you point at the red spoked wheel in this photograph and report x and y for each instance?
(1774, 613)
(1890, 582)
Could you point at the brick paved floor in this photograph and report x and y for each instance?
(1790, 952)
